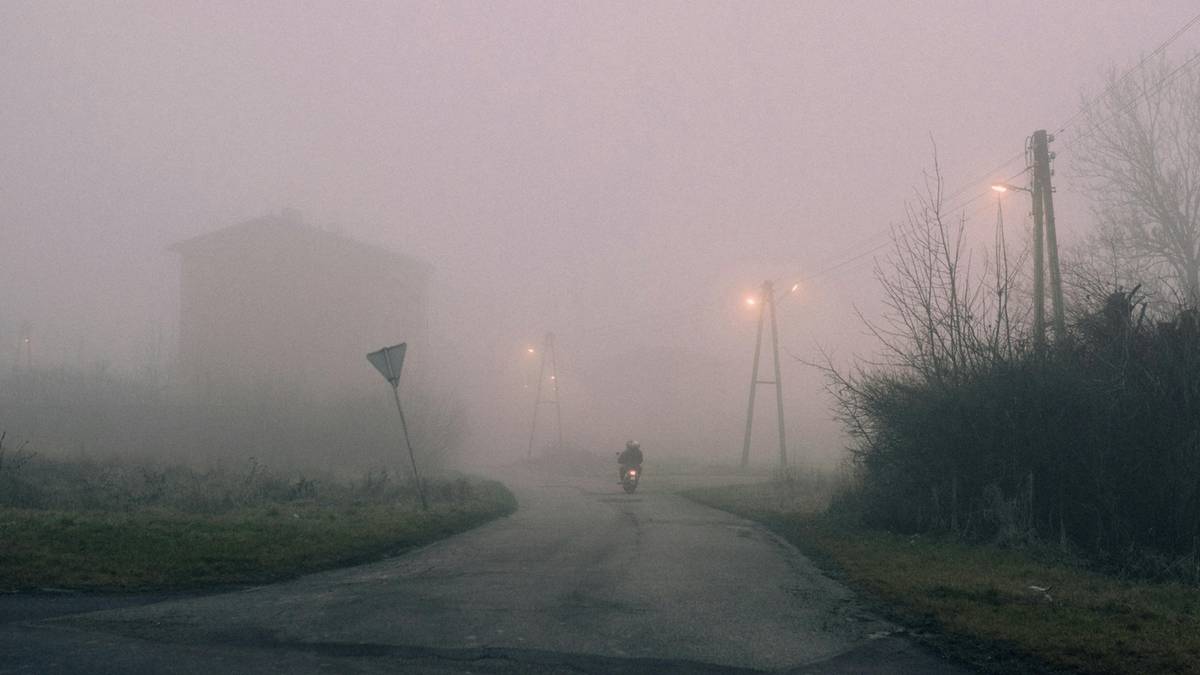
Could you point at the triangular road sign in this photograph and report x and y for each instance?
(388, 361)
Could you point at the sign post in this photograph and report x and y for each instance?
(389, 361)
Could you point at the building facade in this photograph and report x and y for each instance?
(273, 302)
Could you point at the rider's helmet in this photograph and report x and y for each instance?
(630, 445)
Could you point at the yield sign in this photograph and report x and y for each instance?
(388, 361)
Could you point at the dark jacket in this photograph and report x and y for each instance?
(630, 457)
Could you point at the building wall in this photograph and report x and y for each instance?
(298, 313)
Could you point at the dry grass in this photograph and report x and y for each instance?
(978, 598)
(142, 529)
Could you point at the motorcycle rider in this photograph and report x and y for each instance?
(629, 458)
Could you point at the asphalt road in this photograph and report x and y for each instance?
(583, 578)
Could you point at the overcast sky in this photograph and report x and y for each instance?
(619, 173)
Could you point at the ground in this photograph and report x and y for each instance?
(581, 578)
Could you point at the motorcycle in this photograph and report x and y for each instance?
(629, 477)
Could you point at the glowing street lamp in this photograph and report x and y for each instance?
(755, 300)
(1005, 187)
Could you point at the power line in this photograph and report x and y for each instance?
(825, 271)
(988, 174)
(680, 316)
(1083, 109)
(1119, 81)
(1069, 146)
(1144, 95)
(856, 255)
(982, 193)
(690, 314)
(833, 268)
(952, 196)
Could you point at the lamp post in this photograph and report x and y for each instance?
(765, 301)
(1005, 187)
(1041, 239)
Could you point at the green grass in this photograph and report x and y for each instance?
(169, 549)
(977, 601)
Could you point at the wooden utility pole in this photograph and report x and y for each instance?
(754, 379)
(1045, 240)
(1043, 186)
(767, 298)
(1041, 178)
(554, 379)
(1039, 258)
(547, 349)
(770, 293)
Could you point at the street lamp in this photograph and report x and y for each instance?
(1005, 187)
(1040, 239)
(755, 300)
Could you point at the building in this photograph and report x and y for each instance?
(276, 303)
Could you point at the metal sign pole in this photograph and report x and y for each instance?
(411, 457)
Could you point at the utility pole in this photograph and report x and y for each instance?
(770, 292)
(1039, 258)
(767, 298)
(1002, 296)
(1045, 240)
(1043, 186)
(547, 349)
(554, 379)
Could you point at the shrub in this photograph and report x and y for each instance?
(1096, 441)
(968, 425)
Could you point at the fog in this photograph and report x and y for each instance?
(619, 174)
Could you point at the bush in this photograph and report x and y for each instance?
(1095, 441)
(969, 425)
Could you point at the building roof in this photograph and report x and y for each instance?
(287, 226)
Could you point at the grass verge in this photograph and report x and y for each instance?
(161, 549)
(975, 602)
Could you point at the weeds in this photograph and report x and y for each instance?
(1001, 608)
(120, 524)
(121, 485)
(17, 459)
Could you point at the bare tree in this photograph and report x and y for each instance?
(1107, 261)
(941, 320)
(1140, 157)
(945, 329)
